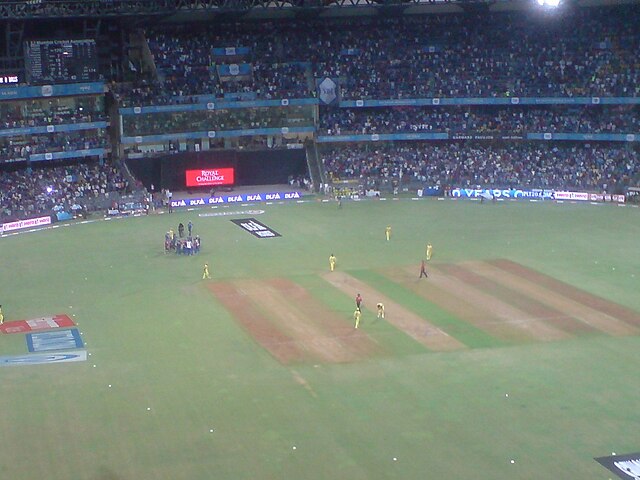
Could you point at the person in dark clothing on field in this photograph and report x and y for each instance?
(423, 269)
(181, 230)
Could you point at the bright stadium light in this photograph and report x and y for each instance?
(548, 3)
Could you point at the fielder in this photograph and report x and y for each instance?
(332, 262)
(387, 232)
(1, 316)
(356, 316)
(205, 272)
(380, 307)
(429, 251)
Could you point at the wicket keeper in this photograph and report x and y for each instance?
(429, 251)
(356, 316)
(205, 272)
(380, 308)
(332, 262)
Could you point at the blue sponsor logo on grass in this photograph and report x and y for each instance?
(58, 340)
(40, 358)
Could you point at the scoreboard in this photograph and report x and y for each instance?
(61, 61)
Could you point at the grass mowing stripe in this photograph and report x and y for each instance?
(468, 334)
(391, 339)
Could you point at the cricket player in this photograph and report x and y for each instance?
(358, 301)
(429, 251)
(1, 316)
(205, 272)
(380, 308)
(423, 269)
(387, 232)
(332, 262)
(356, 316)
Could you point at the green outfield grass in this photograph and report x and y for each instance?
(159, 337)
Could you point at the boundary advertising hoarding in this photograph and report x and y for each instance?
(20, 224)
(534, 193)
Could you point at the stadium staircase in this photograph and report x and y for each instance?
(316, 170)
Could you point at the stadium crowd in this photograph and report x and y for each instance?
(57, 111)
(219, 119)
(20, 148)
(517, 165)
(507, 120)
(48, 189)
(587, 52)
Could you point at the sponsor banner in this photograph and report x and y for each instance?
(501, 193)
(606, 197)
(40, 358)
(54, 340)
(239, 198)
(209, 177)
(624, 466)
(535, 193)
(582, 196)
(20, 224)
(485, 136)
(255, 228)
(34, 324)
(382, 137)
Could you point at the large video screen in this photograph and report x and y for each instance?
(209, 177)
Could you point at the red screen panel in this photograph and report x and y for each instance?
(208, 177)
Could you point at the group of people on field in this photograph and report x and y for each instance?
(181, 244)
(357, 314)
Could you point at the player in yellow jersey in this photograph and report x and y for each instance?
(380, 308)
(1, 316)
(429, 251)
(205, 272)
(356, 316)
(387, 232)
(332, 262)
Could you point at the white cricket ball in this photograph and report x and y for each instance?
(211, 430)
(613, 268)
(294, 447)
(506, 395)
(513, 461)
(395, 459)
(109, 385)
(148, 408)
(94, 366)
